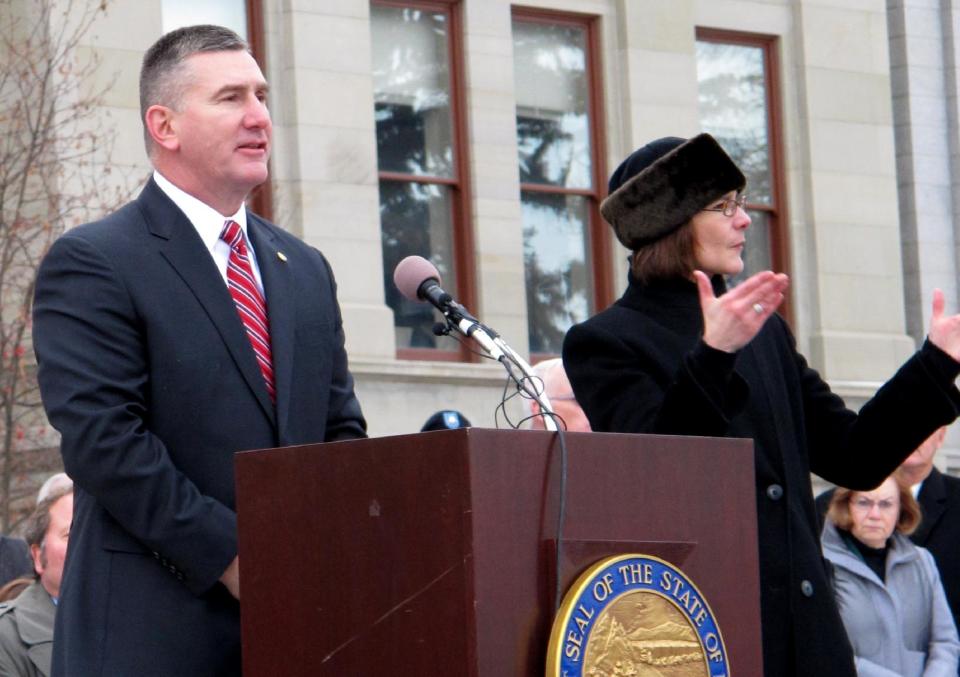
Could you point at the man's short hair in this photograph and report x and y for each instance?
(39, 520)
(53, 483)
(159, 75)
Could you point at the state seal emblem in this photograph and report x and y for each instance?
(635, 615)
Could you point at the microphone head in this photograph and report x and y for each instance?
(412, 272)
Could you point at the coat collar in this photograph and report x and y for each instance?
(839, 553)
(35, 613)
(933, 500)
(674, 293)
(673, 303)
(179, 243)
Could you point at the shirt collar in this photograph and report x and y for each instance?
(207, 220)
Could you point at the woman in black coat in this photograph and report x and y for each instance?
(679, 354)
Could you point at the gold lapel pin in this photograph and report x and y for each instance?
(282, 256)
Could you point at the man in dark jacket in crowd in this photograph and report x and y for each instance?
(26, 623)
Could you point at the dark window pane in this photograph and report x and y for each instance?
(411, 82)
(556, 248)
(416, 219)
(733, 108)
(551, 85)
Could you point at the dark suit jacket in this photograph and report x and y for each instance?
(146, 370)
(939, 531)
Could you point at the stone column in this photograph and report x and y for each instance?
(325, 159)
(858, 333)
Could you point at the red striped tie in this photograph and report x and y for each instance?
(250, 302)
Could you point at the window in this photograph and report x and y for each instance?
(245, 18)
(739, 105)
(229, 13)
(423, 208)
(556, 80)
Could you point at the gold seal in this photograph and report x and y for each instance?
(638, 616)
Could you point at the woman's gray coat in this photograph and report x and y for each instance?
(898, 627)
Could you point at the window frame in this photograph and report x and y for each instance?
(597, 229)
(459, 184)
(776, 211)
(261, 198)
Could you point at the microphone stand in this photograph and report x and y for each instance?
(493, 345)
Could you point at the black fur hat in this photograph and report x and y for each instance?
(660, 186)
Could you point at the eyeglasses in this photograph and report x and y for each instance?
(865, 504)
(729, 205)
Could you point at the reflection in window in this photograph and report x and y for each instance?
(415, 154)
(555, 251)
(735, 107)
(556, 165)
(415, 218)
(230, 13)
(411, 83)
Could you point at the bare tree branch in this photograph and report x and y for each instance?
(54, 173)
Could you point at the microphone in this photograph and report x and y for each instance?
(419, 280)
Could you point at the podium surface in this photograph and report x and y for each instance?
(434, 554)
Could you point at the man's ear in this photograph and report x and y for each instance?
(160, 123)
(36, 554)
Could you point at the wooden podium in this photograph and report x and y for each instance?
(433, 554)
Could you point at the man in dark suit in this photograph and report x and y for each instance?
(939, 499)
(169, 335)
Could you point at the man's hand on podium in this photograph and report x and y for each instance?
(231, 577)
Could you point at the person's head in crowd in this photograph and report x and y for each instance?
(445, 419)
(53, 484)
(917, 466)
(47, 533)
(557, 387)
(872, 516)
(206, 123)
(677, 204)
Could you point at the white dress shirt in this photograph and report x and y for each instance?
(209, 224)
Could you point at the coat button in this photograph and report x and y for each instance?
(806, 587)
(774, 492)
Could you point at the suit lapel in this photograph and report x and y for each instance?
(180, 244)
(933, 501)
(278, 290)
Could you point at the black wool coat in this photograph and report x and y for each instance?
(641, 367)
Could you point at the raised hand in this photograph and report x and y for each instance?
(944, 329)
(731, 321)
